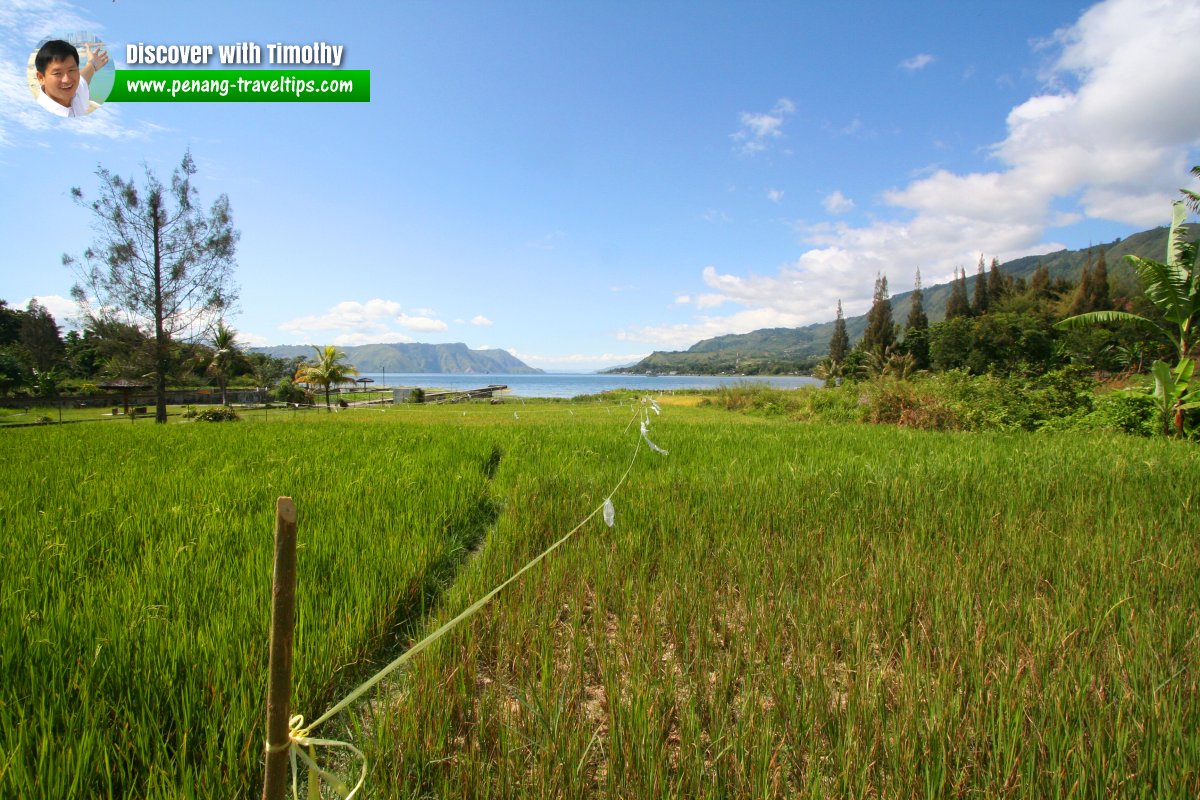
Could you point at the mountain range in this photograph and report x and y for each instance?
(789, 350)
(454, 358)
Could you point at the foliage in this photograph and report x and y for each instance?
(1174, 394)
(226, 356)
(159, 261)
(15, 372)
(1002, 342)
(417, 395)
(288, 392)
(41, 337)
(916, 327)
(1173, 286)
(1123, 411)
(881, 331)
(326, 370)
(839, 342)
(981, 301)
(958, 305)
(221, 413)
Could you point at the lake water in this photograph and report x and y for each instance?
(575, 384)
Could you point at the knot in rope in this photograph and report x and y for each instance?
(298, 738)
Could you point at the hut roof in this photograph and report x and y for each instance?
(123, 383)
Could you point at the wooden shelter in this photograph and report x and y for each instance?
(124, 386)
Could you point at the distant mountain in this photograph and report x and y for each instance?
(454, 358)
(783, 350)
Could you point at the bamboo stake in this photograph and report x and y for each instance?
(283, 622)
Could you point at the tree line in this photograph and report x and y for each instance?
(1010, 327)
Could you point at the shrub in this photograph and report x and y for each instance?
(909, 404)
(1125, 411)
(417, 395)
(218, 414)
(288, 392)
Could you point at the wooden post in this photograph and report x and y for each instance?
(283, 623)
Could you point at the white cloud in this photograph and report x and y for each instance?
(253, 339)
(425, 324)
(480, 319)
(774, 195)
(353, 322)
(683, 299)
(757, 130)
(1110, 136)
(918, 62)
(837, 203)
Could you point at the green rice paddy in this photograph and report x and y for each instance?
(780, 610)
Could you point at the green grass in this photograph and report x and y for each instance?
(782, 610)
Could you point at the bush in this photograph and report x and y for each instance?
(417, 395)
(218, 414)
(289, 392)
(909, 404)
(1126, 411)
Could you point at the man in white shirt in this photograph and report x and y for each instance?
(64, 85)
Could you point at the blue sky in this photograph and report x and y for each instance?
(582, 183)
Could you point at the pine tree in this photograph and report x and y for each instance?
(916, 327)
(1099, 298)
(916, 312)
(1039, 284)
(981, 303)
(880, 334)
(958, 305)
(1081, 303)
(998, 283)
(839, 343)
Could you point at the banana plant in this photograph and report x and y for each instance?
(1173, 286)
(1174, 393)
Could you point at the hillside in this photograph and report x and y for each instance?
(454, 358)
(786, 350)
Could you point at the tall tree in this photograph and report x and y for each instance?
(159, 261)
(327, 370)
(880, 334)
(1099, 294)
(958, 305)
(10, 324)
(1039, 284)
(981, 301)
(41, 337)
(839, 343)
(998, 283)
(916, 327)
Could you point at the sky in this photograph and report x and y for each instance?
(583, 183)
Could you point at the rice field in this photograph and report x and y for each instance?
(780, 610)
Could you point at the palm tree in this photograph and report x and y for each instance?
(227, 354)
(326, 370)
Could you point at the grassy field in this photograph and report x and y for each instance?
(780, 610)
